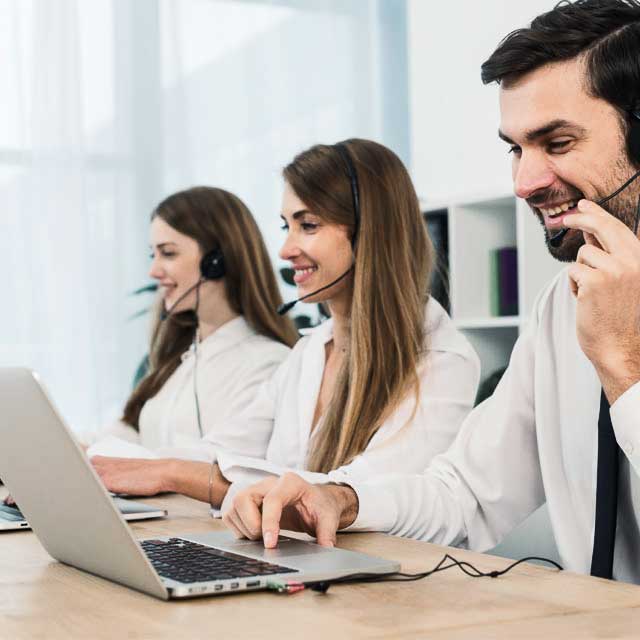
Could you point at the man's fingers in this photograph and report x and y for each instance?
(601, 225)
(271, 514)
(580, 276)
(247, 509)
(234, 522)
(284, 492)
(244, 517)
(590, 239)
(326, 527)
(274, 495)
(593, 256)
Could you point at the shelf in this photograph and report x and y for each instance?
(488, 322)
(471, 230)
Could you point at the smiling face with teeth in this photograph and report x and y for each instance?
(319, 252)
(566, 145)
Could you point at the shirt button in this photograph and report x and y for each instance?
(628, 447)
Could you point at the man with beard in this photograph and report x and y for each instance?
(563, 425)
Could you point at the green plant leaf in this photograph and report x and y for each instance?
(286, 273)
(148, 288)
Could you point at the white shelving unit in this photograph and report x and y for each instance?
(476, 227)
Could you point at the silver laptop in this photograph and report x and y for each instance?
(48, 475)
(12, 519)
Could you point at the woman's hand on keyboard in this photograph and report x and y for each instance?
(9, 501)
(133, 476)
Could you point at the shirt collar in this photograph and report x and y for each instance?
(228, 335)
(322, 333)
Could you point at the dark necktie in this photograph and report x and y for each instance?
(606, 495)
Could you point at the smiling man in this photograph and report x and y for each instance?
(571, 127)
(564, 423)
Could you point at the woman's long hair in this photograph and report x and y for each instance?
(393, 264)
(213, 218)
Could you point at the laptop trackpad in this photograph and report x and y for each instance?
(287, 547)
(296, 554)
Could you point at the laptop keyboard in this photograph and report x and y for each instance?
(10, 513)
(186, 561)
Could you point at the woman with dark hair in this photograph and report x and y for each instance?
(384, 384)
(216, 336)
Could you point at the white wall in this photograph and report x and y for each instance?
(455, 152)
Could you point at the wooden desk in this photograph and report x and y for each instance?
(40, 598)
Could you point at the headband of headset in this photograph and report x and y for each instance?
(341, 148)
(633, 139)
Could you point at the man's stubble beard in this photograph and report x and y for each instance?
(624, 207)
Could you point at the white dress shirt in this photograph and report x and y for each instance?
(449, 373)
(535, 439)
(233, 362)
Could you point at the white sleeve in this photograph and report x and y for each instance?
(625, 417)
(118, 429)
(405, 442)
(260, 365)
(243, 422)
(486, 484)
(247, 432)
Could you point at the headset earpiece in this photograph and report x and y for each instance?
(212, 265)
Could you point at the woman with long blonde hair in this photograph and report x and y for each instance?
(215, 335)
(386, 382)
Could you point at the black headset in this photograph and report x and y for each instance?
(342, 150)
(211, 268)
(633, 151)
(212, 265)
(633, 136)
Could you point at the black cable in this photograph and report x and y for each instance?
(166, 313)
(286, 306)
(196, 339)
(556, 239)
(617, 191)
(397, 576)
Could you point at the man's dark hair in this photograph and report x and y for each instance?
(605, 32)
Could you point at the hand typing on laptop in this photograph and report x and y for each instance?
(122, 475)
(289, 502)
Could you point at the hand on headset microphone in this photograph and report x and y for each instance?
(165, 313)
(556, 239)
(287, 306)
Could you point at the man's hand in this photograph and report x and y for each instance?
(606, 283)
(291, 503)
(134, 476)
